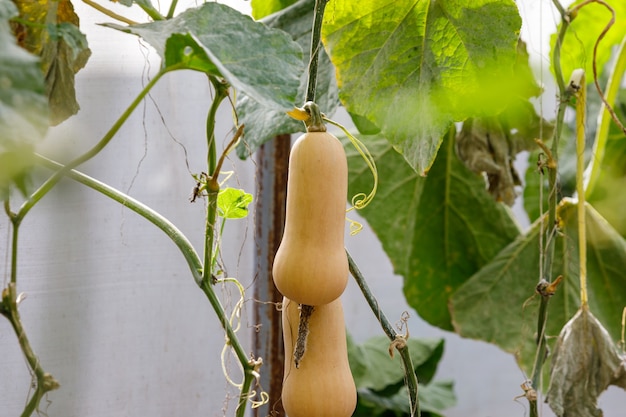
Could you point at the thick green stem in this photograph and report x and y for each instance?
(213, 188)
(318, 17)
(402, 348)
(54, 179)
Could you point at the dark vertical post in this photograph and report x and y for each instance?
(271, 174)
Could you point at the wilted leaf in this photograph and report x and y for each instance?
(437, 230)
(498, 304)
(585, 363)
(413, 67)
(233, 203)
(51, 32)
(263, 124)
(261, 62)
(23, 106)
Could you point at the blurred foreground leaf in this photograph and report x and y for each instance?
(23, 106)
(413, 67)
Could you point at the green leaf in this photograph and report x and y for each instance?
(233, 203)
(437, 230)
(607, 196)
(263, 124)
(262, 8)
(498, 304)
(380, 378)
(373, 368)
(584, 30)
(261, 62)
(23, 106)
(413, 67)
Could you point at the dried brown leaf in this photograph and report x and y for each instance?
(585, 363)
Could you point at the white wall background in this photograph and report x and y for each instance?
(112, 310)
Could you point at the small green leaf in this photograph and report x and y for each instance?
(23, 106)
(258, 61)
(233, 203)
(413, 67)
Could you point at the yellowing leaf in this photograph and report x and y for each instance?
(49, 29)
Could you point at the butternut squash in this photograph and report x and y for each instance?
(311, 266)
(322, 384)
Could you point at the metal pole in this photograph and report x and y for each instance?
(271, 175)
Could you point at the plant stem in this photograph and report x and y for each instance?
(151, 11)
(581, 104)
(403, 349)
(318, 17)
(179, 239)
(54, 179)
(213, 187)
(109, 13)
(549, 232)
(170, 12)
(45, 381)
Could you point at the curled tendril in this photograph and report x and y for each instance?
(256, 363)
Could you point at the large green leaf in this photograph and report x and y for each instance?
(498, 304)
(261, 62)
(23, 106)
(584, 30)
(413, 67)
(263, 124)
(437, 230)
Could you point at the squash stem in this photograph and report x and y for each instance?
(318, 17)
(409, 370)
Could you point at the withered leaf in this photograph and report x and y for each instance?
(49, 29)
(585, 363)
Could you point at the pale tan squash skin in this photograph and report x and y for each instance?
(311, 266)
(322, 385)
